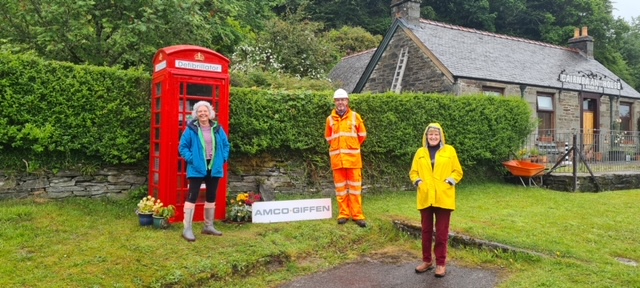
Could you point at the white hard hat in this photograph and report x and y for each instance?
(340, 93)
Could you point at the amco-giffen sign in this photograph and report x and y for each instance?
(590, 81)
(291, 210)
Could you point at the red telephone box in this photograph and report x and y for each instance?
(182, 76)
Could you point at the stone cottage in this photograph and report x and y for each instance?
(568, 90)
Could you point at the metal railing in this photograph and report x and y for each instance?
(608, 151)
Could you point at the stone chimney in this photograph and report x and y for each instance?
(582, 41)
(406, 9)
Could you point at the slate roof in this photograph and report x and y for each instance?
(470, 53)
(349, 70)
(477, 54)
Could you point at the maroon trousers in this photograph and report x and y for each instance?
(442, 217)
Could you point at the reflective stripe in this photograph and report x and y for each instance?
(341, 184)
(342, 134)
(354, 192)
(344, 151)
(351, 183)
(341, 193)
(362, 134)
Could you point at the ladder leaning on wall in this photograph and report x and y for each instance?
(396, 85)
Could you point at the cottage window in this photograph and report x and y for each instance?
(492, 91)
(625, 116)
(545, 111)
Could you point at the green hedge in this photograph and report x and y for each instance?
(484, 129)
(56, 115)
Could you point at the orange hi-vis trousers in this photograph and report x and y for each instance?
(348, 182)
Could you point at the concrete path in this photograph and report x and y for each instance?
(372, 273)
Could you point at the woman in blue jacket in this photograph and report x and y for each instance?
(205, 147)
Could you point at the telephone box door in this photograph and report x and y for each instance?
(184, 75)
(190, 91)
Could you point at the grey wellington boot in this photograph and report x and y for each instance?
(208, 229)
(187, 233)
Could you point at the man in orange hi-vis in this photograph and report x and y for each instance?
(345, 133)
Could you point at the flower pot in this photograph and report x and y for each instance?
(145, 219)
(160, 222)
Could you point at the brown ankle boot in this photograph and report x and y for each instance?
(424, 267)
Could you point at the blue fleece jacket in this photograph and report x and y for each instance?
(193, 153)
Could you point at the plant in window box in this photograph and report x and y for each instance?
(239, 209)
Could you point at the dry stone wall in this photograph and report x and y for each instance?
(268, 177)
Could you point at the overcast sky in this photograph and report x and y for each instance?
(626, 9)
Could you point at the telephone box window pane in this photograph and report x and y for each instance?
(158, 104)
(157, 115)
(158, 89)
(199, 90)
(180, 165)
(156, 149)
(157, 131)
(156, 178)
(156, 164)
(156, 193)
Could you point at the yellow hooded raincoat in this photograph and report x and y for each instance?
(434, 190)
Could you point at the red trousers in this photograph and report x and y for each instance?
(442, 217)
(348, 183)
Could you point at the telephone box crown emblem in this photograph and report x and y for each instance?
(199, 56)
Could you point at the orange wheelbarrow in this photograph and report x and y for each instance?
(523, 169)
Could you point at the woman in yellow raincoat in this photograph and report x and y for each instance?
(435, 171)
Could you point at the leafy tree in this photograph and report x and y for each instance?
(351, 40)
(372, 15)
(630, 51)
(127, 32)
(295, 48)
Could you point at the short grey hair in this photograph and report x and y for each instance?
(194, 112)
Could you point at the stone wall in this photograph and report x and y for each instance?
(110, 182)
(586, 183)
(276, 176)
(269, 177)
(420, 75)
(564, 182)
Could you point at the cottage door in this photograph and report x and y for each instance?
(588, 135)
(588, 128)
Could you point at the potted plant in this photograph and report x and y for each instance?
(534, 153)
(145, 210)
(543, 157)
(239, 209)
(523, 154)
(162, 214)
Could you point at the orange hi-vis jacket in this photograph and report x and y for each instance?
(345, 136)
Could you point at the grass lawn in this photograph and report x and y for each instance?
(98, 243)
